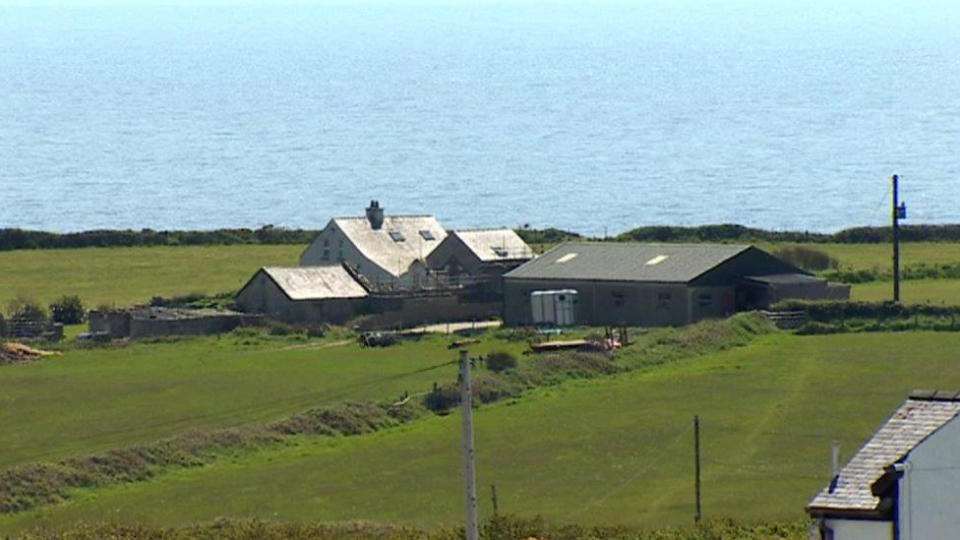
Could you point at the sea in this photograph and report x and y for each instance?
(591, 117)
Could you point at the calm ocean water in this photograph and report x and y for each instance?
(777, 113)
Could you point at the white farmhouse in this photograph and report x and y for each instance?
(389, 251)
(904, 483)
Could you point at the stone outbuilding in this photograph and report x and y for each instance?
(655, 284)
(478, 257)
(904, 483)
(310, 294)
(388, 251)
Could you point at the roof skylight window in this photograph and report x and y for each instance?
(397, 236)
(657, 260)
(567, 258)
(427, 235)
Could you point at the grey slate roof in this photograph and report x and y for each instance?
(918, 418)
(494, 244)
(377, 245)
(613, 261)
(315, 282)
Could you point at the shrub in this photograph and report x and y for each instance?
(26, 309)
(806, 257)
(68, 310)
(281, 329)
(501, 361)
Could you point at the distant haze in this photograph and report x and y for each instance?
(775, 114)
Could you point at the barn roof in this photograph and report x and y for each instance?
(398, 243)
(615, 261)
(850, 491)
(490, 245)
(315, 282)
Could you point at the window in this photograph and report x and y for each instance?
(397, 236)
(326, 243)
(501, 252)
(326, 254)
(427, 235)
(705, 300)
(618, 299)
(663, 300)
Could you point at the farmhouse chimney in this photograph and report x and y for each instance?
(375, 215)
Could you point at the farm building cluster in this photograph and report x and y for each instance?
(408, 270)
(378, 271)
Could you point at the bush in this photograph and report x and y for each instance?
(281, 329)
(68, 310)
(501, 361)
(26, 309)
(806, 258)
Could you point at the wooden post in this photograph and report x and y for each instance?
(493, 496)
(696, 452)
(469, 472)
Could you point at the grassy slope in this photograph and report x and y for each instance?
(88, 400)
(124, 276)
(614, 450)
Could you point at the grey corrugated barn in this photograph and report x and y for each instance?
(656, 284)
(304, 294)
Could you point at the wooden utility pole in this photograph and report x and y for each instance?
(469, 468)
(696, 453)
(896, 239)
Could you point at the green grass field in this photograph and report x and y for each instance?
(920, 291)
(868, 256)
(125, 276)
(612, 450)
(96, 399)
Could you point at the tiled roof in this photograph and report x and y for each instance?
(495, 244)
(613, 261)
(921, 415)
(393, 255)
(316, 282)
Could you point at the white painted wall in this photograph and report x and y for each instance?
(332, 245)
(929, 505)
(852, 529)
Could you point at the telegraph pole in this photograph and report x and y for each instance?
(899, 212)
(469, 467)
(896, 239)
(696, 453)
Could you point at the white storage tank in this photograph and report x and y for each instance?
(554, 307)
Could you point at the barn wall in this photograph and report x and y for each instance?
(711, 302)
(262, 295)
(393, 312)
(604, 303)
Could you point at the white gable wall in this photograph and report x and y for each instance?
(332, 245)
(858, 529)
(929, 503)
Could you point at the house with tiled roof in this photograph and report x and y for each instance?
(389, 251)
(470, 256)
(904, 483)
